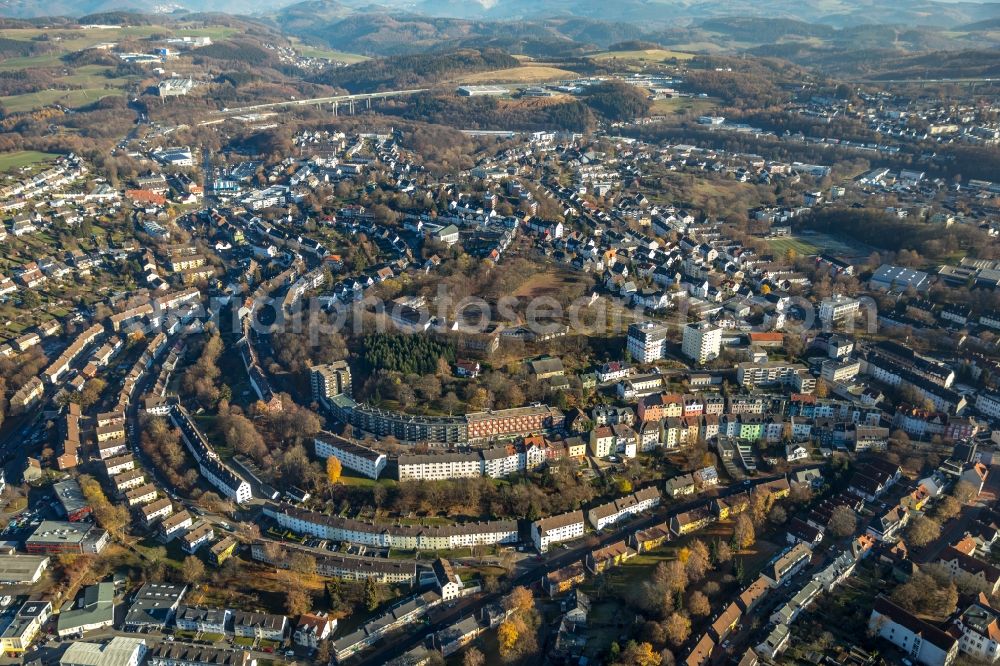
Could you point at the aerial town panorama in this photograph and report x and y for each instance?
(497, 333)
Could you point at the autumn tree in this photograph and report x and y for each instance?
(696, 562)
(241, 434)
(670, 577)
(372, 598)
(192, 570)
(520, 600)
(638, 654)
(677, 628)
(473, 657)
(760, 505)
(698, 604)
(333, 470)
(743, 532)
(930, 592)
(200, 378)
(723, 552)
(510, 637)
(297, 601)
(843, 521)
(922, 531)
(947, 508)
(112, 517)
(964, 492)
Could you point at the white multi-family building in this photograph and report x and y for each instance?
(838, 307)
(563, 527)
(979, 625)
(203, 620)
(500, 461)
(405, 537)
(752, 375)
(263, 626)
(440, 466)
(351, 455)
(834, 371)
(647, 341)
(702, 342)
(923, 642)
(226, 480)
(624, 507)
(989, 404)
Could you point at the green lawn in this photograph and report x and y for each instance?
(94, 76)
(681, 105)
(349, 479)
(814, 243)
(332, 54)
(23, 158)
(68, 98)
(781, 246)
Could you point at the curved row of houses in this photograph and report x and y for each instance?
(405, 537)
(211, 467)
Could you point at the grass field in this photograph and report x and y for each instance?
(814, 243)
(68, 98)
(93, 76)
(23, 158)
(781, 246)
(647, 55)
(318, 52)
(526, 74)
(683, 105)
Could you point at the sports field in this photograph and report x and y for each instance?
(781, 246)
(814, 243)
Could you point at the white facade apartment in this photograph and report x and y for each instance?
(979, 626)
(156, 511)
(554, 529)
(197, 538)
(531, 458)
(204, 620)
(838, 307)
(647, 341)
(353, 456)
(223, 478)
(176, 523)
(115, 467)
(702, 342)
(630, 505)
(259, 625)
(403, 537)
(988, 404)
(602, 442)
(499, 462)
(750, 375)
(111, 448)
(832, 371)
(440, 466)
(924, 643)
(128, 480)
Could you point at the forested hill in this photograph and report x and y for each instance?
(414, 71)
